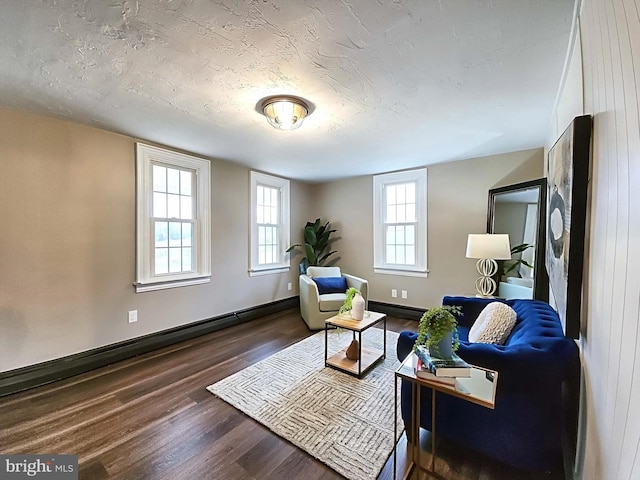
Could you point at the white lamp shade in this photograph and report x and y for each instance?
(489, 245)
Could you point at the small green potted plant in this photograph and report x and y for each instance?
(354, 304)
(348, 301)
(438, 332)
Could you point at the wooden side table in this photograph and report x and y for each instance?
(367, 357)
(480, 389)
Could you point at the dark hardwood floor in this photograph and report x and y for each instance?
(150, 417)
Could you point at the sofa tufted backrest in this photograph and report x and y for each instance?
(536, 320)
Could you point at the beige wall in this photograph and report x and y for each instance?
(610, 339)
(67, 244)
(457, 205)
(67, 203)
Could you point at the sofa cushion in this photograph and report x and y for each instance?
(331, 302)
(331, 285)
(494, 324)
(315, 272)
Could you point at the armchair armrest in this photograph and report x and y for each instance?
(360, 283)
(309, 296)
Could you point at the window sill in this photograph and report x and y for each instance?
(269, 271)
(149, 287)
(402, 273)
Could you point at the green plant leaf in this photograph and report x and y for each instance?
(310, 236)
(520, 248)
(292, 247)
(324, 237)
(511, 268)
(322, 259)
(311, 255)
(348, 301)
(504, 266)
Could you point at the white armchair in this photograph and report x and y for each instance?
(315, 308)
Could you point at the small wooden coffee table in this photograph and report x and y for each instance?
(367, 357)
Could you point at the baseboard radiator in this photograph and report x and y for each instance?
(24, 378)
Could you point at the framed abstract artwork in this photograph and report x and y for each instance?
(567, 180)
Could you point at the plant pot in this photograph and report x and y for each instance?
(352, 350)
(444, 348)
(302, 266)
(357, 307)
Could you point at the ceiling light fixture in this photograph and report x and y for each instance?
(285, 112)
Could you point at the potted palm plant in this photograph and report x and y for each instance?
(317, 243)
(438, 332)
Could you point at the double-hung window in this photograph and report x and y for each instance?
(400, 223)
(269, 224)
(173, 227)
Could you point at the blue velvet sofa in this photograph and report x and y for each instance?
(525, 428)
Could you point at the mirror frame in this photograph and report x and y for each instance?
(541, 279)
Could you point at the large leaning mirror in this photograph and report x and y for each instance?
(519, 211)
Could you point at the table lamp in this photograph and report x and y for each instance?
(487, 247)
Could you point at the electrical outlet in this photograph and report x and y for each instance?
(133, 316)
(404, 294)
(394, 293)
(289, 286)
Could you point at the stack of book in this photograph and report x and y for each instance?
(440, 368)
(424, 373)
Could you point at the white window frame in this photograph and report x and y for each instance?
(283, 265)
(146, 157)
(380, 182)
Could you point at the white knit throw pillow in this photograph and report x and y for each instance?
(494, 324)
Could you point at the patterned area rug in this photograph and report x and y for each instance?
(345, 422)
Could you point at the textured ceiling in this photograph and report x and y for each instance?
(394, 84)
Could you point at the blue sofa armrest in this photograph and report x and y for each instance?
(405, 344)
